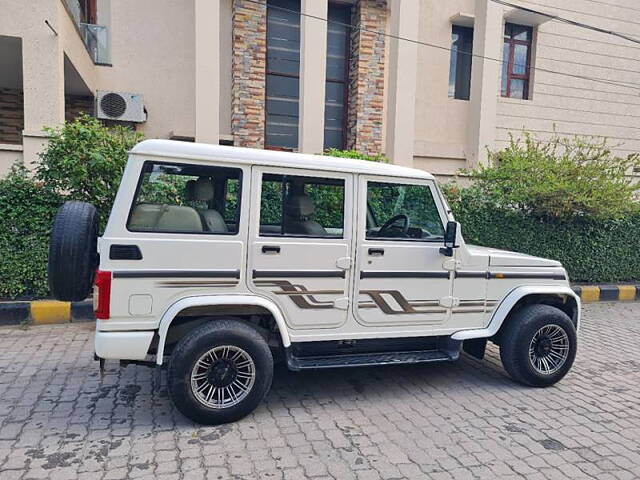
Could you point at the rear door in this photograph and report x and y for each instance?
(400, 279)
(299, 244)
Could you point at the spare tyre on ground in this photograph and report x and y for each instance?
(73, 256)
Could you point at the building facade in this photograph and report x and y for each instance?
(395, 77)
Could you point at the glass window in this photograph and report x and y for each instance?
(335, 110)
(301, 206)
(460, 62)
(402, 212)
(283, 74)
(177, 198)
(516, 61)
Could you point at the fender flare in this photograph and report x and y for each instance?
(212, 300)
(509, 301)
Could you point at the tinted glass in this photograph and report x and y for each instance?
(402, 212)
(520, 56)
(283, 70)
(460, 62)
(301, 206)
(174, 198)
(337, 75)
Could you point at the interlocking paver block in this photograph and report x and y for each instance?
(60, 419)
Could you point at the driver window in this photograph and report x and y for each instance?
(402, 212)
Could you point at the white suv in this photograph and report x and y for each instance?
(214, 259)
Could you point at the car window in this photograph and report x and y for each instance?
(177, 198)
(293, 205)
(402, 212)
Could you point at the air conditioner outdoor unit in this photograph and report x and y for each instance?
(120, 106)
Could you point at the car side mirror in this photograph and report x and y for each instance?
(450, 239)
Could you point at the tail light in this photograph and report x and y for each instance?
(102, 294)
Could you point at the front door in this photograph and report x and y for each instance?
(300, 240)
(400, 279)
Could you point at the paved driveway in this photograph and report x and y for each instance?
(59, 419)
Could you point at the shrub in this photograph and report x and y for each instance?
(591, 249)
(560, 178)
(85, 160)
(334, 152)
(27, 209)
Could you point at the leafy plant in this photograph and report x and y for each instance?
(334, 152)
(85, 160)
(27, 209)
(559, 178)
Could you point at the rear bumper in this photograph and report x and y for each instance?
(123, 345)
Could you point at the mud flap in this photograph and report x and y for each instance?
(475, 347)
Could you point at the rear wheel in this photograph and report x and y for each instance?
(539, 345)
(220, 372)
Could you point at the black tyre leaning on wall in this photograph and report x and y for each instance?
(73, 256)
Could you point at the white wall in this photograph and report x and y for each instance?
(572, 106)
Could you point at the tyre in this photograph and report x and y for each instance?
(539, 345)
(73, 256)
(220, 372)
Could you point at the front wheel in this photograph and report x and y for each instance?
(539, 345)
(220, 372)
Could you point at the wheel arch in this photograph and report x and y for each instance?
(562, 297)
(214, 301)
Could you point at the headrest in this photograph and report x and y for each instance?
(190, 190)
(300, 206)
(203, 189)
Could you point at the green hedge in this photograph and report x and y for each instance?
(591, 250)
(27, 209)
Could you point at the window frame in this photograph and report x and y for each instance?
(284, 176)
(401, 181)
(139, 183)
(345, 82)
(526, 77)
(459, 53)
(268, 72)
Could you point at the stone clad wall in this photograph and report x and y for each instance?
(249, 73)
(366, 77)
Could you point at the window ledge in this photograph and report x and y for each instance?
(515, 101)
(11, 147)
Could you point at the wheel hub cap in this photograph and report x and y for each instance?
(223, 376)
(549, 349)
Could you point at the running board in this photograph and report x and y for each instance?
(367, 359)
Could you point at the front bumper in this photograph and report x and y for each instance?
(123, 345)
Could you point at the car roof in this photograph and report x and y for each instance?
(173, 149)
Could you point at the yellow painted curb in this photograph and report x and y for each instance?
(48, 312)
(626, 292)
(590, 294)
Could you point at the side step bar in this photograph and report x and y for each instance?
(364, 359)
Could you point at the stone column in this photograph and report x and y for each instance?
(207, 92)
(485, 80)
(249, 73)
(403, 69)
(313, 63)
(366, 77)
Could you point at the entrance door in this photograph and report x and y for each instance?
(400, 278)
(299, 253)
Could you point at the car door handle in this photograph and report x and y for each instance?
(273, 249)
(376, 252)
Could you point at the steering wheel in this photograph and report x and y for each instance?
(390, 224)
